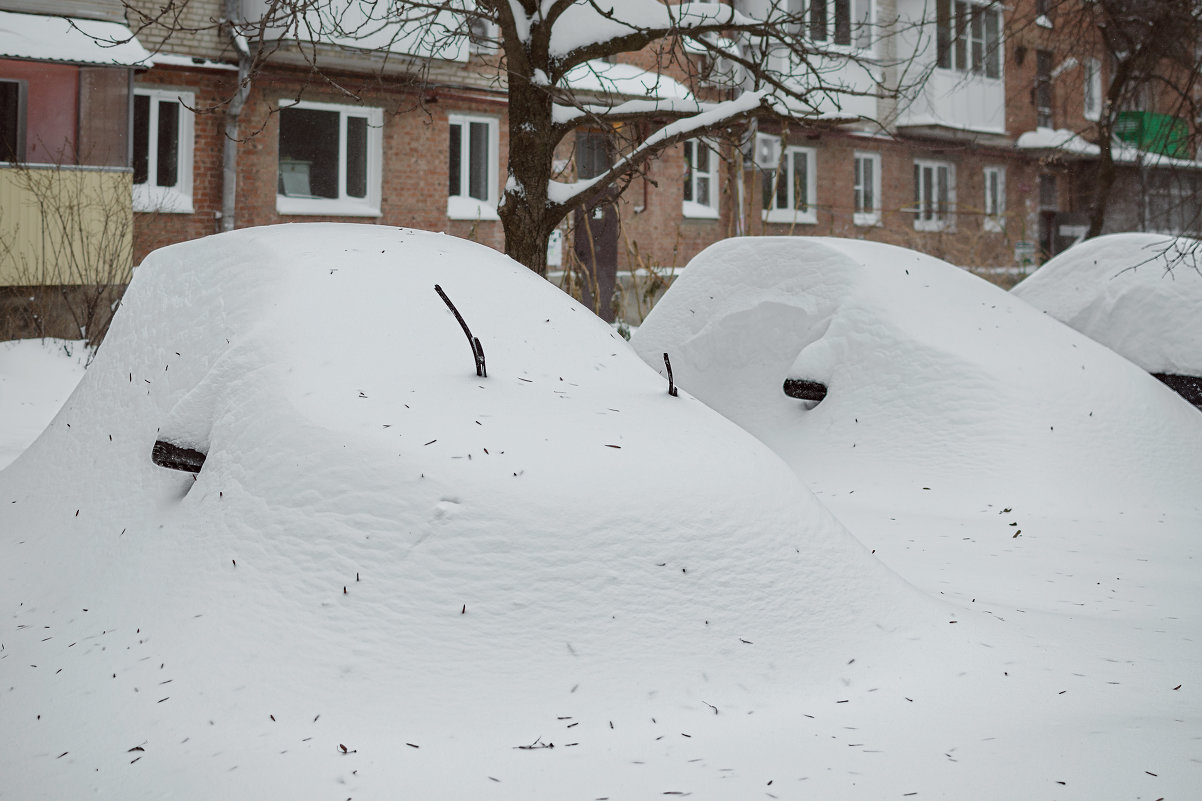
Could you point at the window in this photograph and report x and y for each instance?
(329, 160)
(839, 22)
(700, 180)
(968, 37)
(995, 198)
(593, 156)
(163, 131)
(12, 121)
(472, 188)
(789, 190)
(934, 195)
(1043, 88)
(866, 185)
(1092, 88)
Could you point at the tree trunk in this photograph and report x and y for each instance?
(527, 214)
(1103, 183)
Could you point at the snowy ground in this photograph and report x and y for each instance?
(394, 576)
(36, 376)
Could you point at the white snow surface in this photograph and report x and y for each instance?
(387, 553)
(79, 41)
(36, 376)
(1001, 462)
(1137, 294)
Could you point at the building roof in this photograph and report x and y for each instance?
(35, 37)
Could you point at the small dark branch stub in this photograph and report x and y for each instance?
(174, 457)
(804, 390)
(473, 342)
(671, 384)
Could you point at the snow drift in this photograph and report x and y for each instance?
(937, 381)
(391, 573)
(1137, 294)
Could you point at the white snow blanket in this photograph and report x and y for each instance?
(1138, 294)
(936, 378)
(392, 575)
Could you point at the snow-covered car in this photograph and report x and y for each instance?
(1137, 294)
(392, 575)
(929, 377)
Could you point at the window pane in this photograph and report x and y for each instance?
(688, 171)
(858, 185)
(928, 192)
(456, 159)
(141, 139)
(861, 22)
(961, 37)
(167, 169)
(478, 167)
(943, 33)
(993, 54)
(309, 152)
(801, 197)
(356, 157)
(703, 189)
(869, 179)
(943, 194)
(842, 22)
(818, 20)
(782, 186)
(977, 24)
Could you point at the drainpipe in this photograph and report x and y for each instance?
(229, 155)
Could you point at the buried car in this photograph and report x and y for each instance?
(389, 562)
(1138, 294)
(866, 364)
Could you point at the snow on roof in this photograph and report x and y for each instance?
(391, 572)
(80, 41)
(934, 376)
(1056, 139)
(1137, 294)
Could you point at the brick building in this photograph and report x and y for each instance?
(226, 132)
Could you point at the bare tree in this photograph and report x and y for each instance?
(722, 65)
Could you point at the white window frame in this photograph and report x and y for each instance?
(974, 60)
(995, 199)
(692, 178)
(149, 196)
(927, 213)
(1091, 89)
(866, 213)
(343, 205)
(784, 172)
(461, 205)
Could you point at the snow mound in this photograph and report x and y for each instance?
(36, 376)
(1137, 294)
(391, 572)
(938, 382)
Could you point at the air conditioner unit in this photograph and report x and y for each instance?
(767, 151)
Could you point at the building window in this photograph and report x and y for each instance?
(866, 185)
(472, 188)
(839, 22)
(1092, 88)
(1043, 88)
(12, 121)
(995, 198)
(700, 180)
(330, 160)
(968, 37)
(789, 190)
(934, 195)
(163, 136)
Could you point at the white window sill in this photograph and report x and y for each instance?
(993, 225)
(161, 201)
(788, 217)
(965, 75)
(469, 208)
(329, 207)
(866, 220)
(932, 225)
(698, 211)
